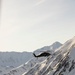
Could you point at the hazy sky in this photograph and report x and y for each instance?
(27, 25)
(0, 12)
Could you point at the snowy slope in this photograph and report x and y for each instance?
(62, 62)
(23, 68)
(10, 60)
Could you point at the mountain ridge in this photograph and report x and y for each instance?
(62, 62)
(52, 47)
(30, 62)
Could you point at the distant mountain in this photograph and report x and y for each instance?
(52, 47)
(60, 62)
(14, 59)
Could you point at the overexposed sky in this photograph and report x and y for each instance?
(27, 25)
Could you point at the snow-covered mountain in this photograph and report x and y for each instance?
(60, 62)
(14, 59)
(10, 60)
(52, 47)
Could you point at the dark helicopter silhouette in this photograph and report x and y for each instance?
(44, 54)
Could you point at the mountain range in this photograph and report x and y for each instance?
(11, 60)
(60, 62)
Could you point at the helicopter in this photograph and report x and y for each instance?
(43, 54)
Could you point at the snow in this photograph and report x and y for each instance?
(60, 56)
(33, 62)
(50, 48)
(60, 62)
(10, 60)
